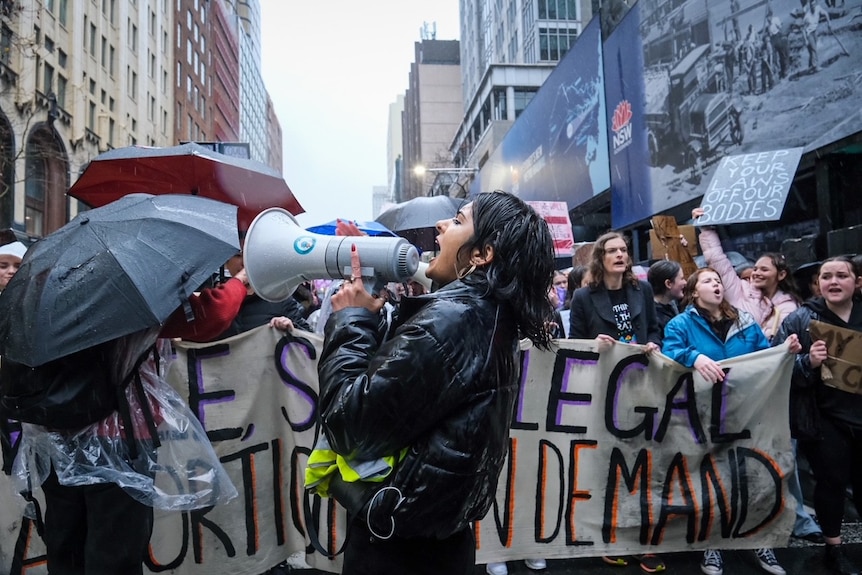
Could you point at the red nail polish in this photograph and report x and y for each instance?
(353, 247)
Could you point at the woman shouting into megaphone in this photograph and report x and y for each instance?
(437, 395)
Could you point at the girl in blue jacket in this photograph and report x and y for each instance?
(708, 331)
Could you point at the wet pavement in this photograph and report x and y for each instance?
(800, 557)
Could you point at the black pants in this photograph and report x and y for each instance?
(836, 461)
(368, 555)
(94, 529)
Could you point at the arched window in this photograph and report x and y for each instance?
(46, 168)
(7, 173)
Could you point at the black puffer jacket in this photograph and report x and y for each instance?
(444, 385)
(809, 397)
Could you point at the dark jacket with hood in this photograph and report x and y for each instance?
(809, 397)
(444, 385)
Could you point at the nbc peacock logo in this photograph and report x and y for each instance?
(621, 124)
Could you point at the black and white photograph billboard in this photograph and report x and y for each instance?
(730, 77)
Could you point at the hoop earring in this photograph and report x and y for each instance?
(467, 271)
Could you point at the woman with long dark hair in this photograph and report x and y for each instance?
(827, 421)
(440, 390)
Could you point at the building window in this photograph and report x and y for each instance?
(48, 81)
(104, 52)
(35, 182)
(61, 58)
(111, 61)
(91, 116)
(62, 14)
(555, 42)
(133, 37)
(93, 39)
(61, 91)
(558, 10)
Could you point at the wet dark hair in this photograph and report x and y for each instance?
(727, 310)
(660, 272)
(597, 261)
(788, 284)
(523, 263)
(576, 278)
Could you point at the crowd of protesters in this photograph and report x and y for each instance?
(485, 300)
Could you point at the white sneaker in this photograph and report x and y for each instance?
(496, 569)
(536, 564)
(712, 563)
(768, 562)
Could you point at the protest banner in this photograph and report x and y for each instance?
(843, 368)
(556, 214)
(612, 452)
(749, 187)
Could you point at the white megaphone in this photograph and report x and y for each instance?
(279, 255)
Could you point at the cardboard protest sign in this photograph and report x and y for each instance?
(749, 187)
(666, 243)
(843, 368)
(611, 452)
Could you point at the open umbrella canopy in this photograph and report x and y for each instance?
(416, 219)
(370, 228)
(112, 271)
(185, 169)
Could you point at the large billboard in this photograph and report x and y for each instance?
(557, 149)
(725, 77)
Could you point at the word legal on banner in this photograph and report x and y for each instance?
(610, 452)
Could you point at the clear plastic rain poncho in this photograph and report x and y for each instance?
(179, 472)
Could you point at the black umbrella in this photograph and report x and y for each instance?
(113, 271)
(415, 219)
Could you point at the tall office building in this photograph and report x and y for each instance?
(432, 112)
(508, 49)
(394, 148)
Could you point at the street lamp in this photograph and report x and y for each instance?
(445, 177)
(420, 170)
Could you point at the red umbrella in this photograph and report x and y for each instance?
(185, 169)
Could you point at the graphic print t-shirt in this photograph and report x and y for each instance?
(625, 329)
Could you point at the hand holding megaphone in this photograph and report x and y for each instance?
(279, 255)
(352, 292)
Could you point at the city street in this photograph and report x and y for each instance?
(800, 557)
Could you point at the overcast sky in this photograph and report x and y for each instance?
(332, 69)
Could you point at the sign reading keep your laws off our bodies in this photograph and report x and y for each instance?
(749, 187)
(610, 452)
